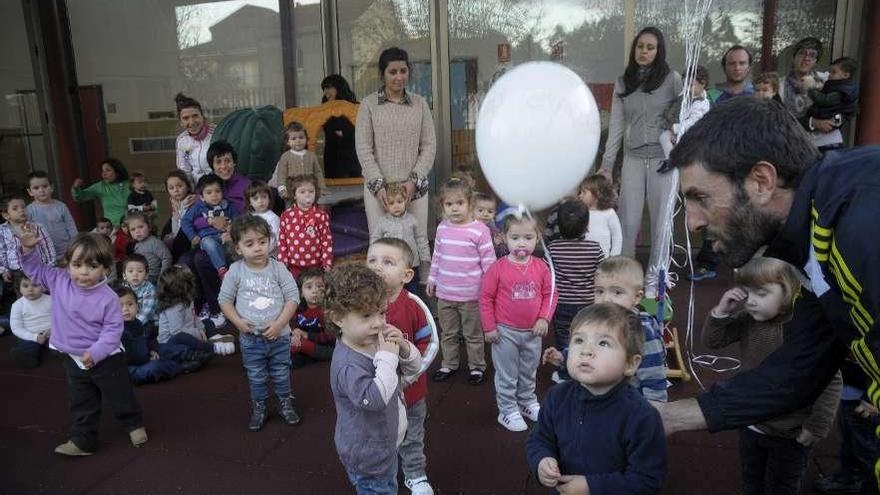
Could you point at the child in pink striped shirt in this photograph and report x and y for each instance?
(463, 252)
(516, 305)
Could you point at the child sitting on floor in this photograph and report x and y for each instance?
(365, 378)
(13, 210)
(147, 245)
(259, 297)
(30, 322)
(145, 365)
(391, 259)
(87, 328)
(310, 341)
(177, 321)
(773, 454)
(620, 447)
(134, 274)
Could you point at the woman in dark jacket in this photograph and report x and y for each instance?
(340, 158)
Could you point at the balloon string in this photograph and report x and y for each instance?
(523, 210)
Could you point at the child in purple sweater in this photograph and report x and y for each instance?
(87, 328)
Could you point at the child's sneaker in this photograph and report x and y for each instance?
(70, 448)
(218, 320)
(512, 421)
(419, 486)
(531, 411)
(138, 437)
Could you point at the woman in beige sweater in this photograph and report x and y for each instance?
(395, 141)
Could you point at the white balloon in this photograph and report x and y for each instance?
(537, 134)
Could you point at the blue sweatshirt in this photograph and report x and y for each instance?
(615, 440)
(202, 210)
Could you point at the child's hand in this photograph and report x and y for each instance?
(218, 223)
(154, 356)
(492, 337)
(296, 337)
(540, 328)
(273, 330)
(573, 485)
(87, 360)
(225, 238)
(195, 240)
(393, 334)
(78, 183)
(242, 325)
(387, 345)
(548, 472)
(42, 338)
(498, 239)
(28, 237)
(429, 289)
(283, 193)
(7, 277)
(552, 356)
(806, 437)
(731, 301)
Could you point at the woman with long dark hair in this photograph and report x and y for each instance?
(395, 140)
(340, 157)
(646, 89)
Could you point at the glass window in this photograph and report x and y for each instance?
(309, 52)
(21, 128)
(797, 20)
(366, 27)
(225, 54)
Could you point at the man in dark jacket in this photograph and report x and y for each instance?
(752, 178)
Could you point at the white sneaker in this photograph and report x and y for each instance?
(218, 320)
(220, 348)
(221, 337)
(531, 411)
(419, 486)
(512, 421)
(229, 347)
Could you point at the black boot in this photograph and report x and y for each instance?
(259, 415)
(288, 411)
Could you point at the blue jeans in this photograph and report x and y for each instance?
(372, 485)
(264, 359)
(212, 246)
(154, 371)
(180, 344)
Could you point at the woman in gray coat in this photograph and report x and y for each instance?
(645, 90)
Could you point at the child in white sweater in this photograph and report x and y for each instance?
(30, 321)
(598, 194)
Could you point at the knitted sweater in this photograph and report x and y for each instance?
(405, 228)
(462, 254)
(394, 141)
(292, 164)
(757, 340)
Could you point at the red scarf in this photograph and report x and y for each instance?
(203, 132)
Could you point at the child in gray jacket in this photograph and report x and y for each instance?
(365, 378)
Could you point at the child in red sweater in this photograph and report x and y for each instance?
(309, 340)
(392, 260)
(304, 240)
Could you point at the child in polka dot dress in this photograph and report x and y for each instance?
(304, 240)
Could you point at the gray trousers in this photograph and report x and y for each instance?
(516, 357)
(412, 450)
(639, 182)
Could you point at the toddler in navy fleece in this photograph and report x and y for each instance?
(595, 433)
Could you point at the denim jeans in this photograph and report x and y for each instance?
(107, 381)
(371, 485)
(154, 371)
(27, 353)
(212, 246)
(177, 348)
(263, 360)
(771, 465)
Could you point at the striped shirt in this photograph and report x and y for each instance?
(575, 262)
(650, 377)
(462, 254)
(10, 248)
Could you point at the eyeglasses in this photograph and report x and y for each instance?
(813, 54)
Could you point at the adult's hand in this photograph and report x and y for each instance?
(823, 125)
(607, 173)
(681, 415)
(382, 196)
(410, 189)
